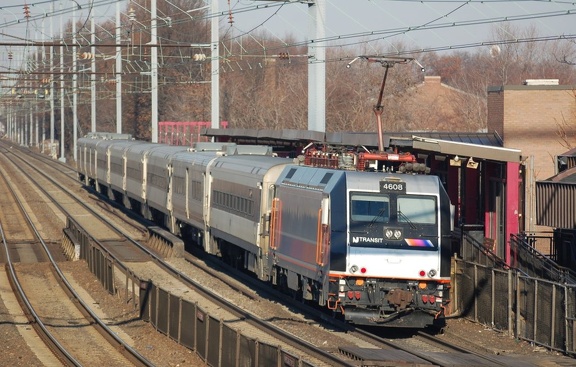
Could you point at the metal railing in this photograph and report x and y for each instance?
(526, 258)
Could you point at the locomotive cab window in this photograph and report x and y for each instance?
(394, 221)
(378, 208)
(370, 208)
(416, 209)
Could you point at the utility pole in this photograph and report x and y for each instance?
(316, 64)
(62, 152)
(74, 84)
(317, 67)
(38, 93)
(51, 81)
(118, 71)
(154, 71)
(215, 64)
(93, 77)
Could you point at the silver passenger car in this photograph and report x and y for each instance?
(85, 165)
(87, 152)
(236, 186)
(103, 163)
(158, 175)
(188, 185)
(137, 168)
(117, 152)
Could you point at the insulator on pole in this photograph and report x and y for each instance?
(86, 55)
(199, 57)
(131, 14)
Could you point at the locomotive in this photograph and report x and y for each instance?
(333, 228)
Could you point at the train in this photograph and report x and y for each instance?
(368, 242)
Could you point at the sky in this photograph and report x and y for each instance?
(372, 25)
(415, 24)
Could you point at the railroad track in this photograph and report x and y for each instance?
(404, 347)
(342, 344)
(57, 182)
(157, 268)
(57, 313)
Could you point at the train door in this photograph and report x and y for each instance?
(209, 241)
(169, 189)
(124, 169)
(108, 154)
(187, 193)
(95, 175)
(323, 235)
(169, 201)
(268, 207)
(144, 171)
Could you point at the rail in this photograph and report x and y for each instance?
(97, 323)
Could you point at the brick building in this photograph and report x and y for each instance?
(532, 117)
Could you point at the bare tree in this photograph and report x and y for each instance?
(263, 80)
(567, 126)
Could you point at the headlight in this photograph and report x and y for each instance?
(393, 234)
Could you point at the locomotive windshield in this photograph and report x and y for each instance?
(393, 220)
(370, 208)
(416, 209)
(376, 208)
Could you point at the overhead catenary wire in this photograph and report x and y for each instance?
(391, 32)
(403, 30)
(232, 42)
